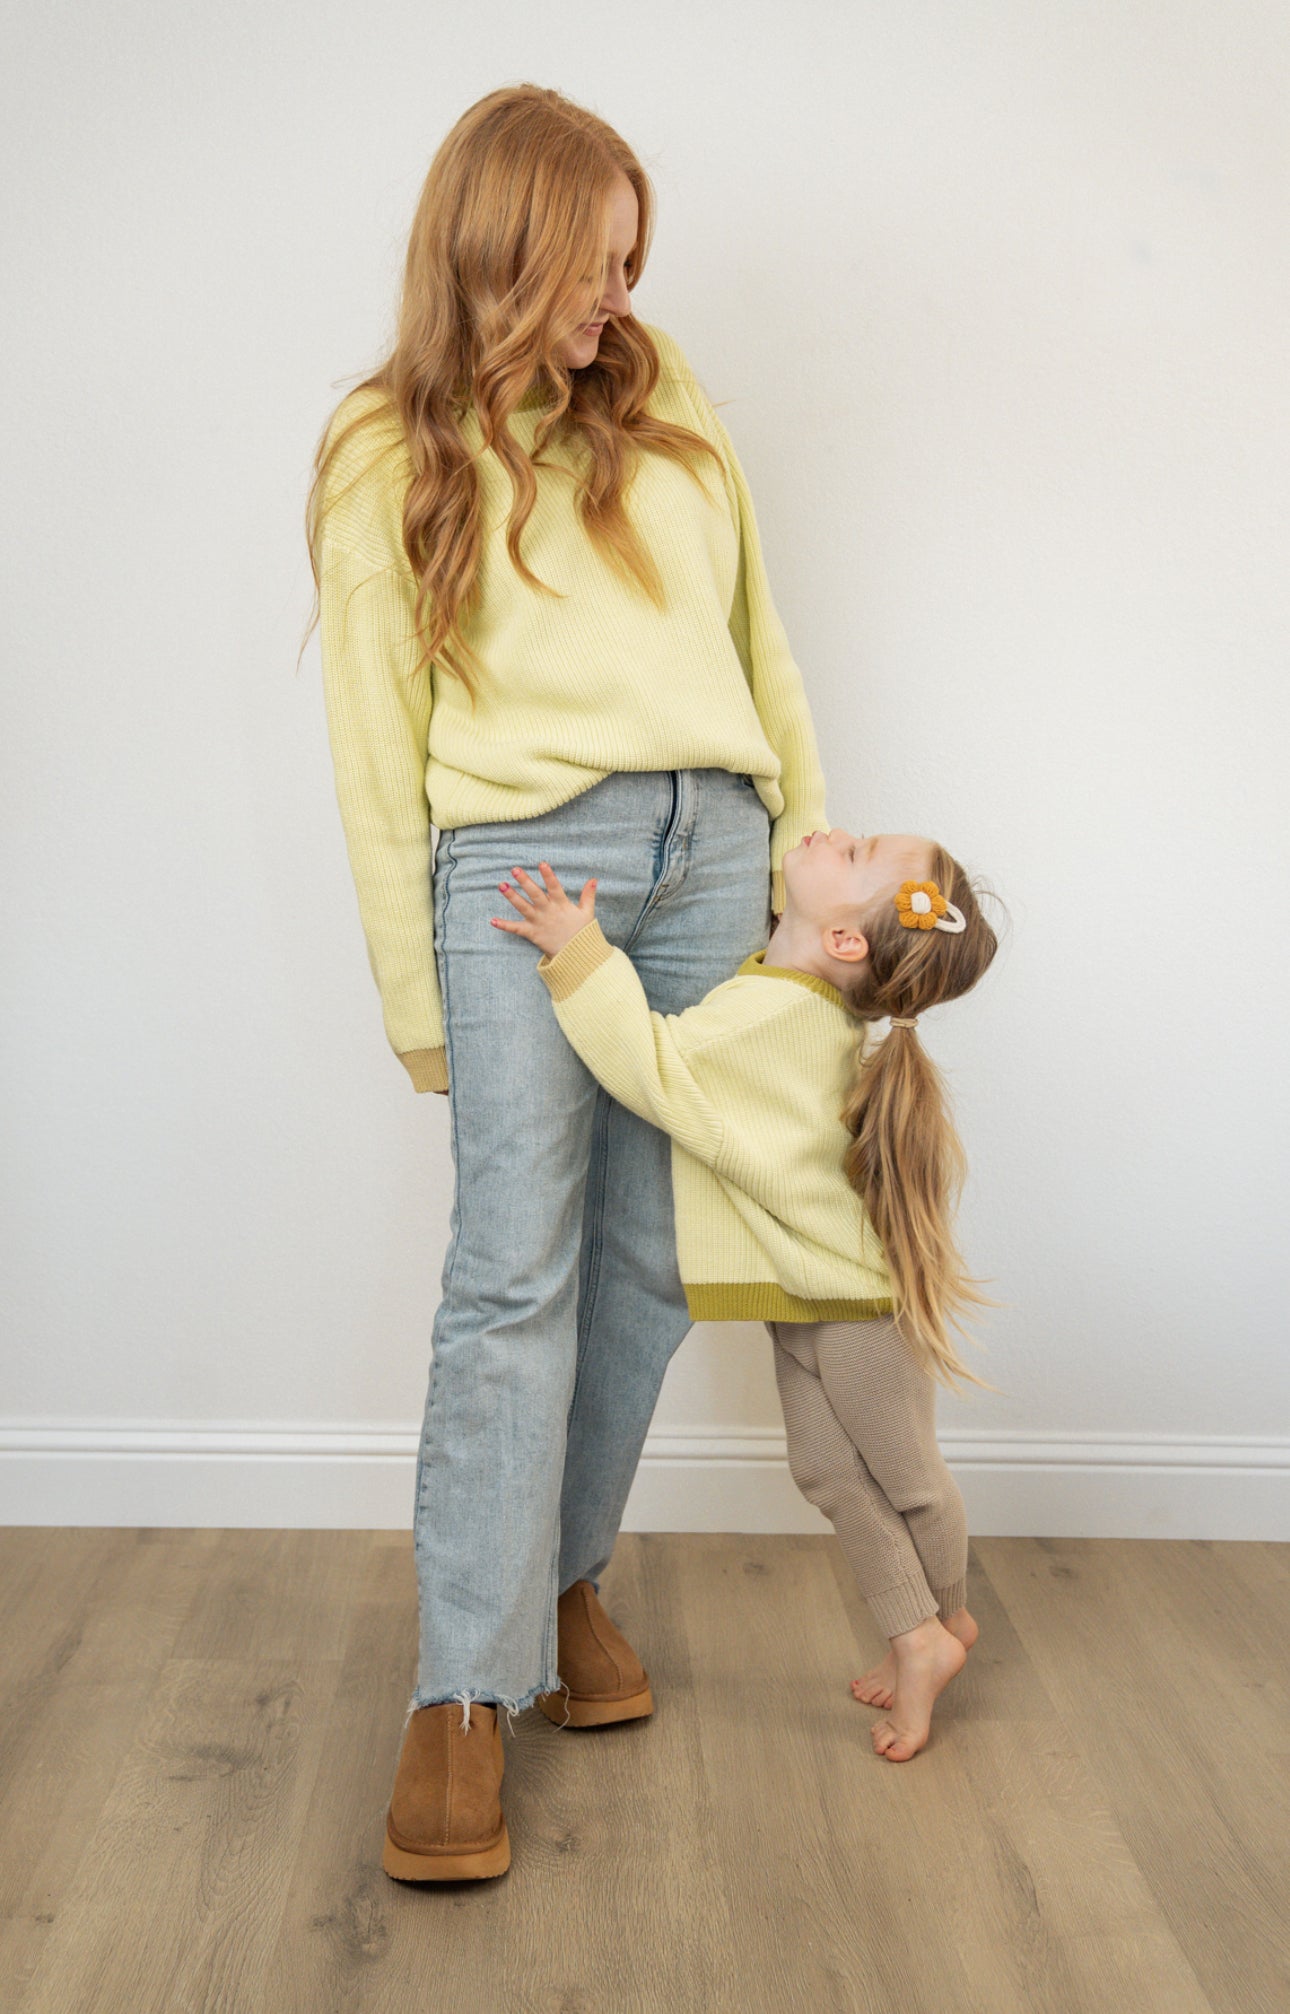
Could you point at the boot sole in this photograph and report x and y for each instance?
(474, 1866)
(574, 1712)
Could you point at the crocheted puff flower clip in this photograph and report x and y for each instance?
(921, 906)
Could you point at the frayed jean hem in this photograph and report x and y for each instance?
(467, 1699)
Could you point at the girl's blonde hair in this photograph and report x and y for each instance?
(509, 237)
(905, 1160)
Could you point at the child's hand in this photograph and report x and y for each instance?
(547, 917)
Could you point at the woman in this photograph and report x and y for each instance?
(618, 691)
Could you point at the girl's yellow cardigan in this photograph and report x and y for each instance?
(600, 681)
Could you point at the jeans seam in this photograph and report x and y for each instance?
(601, 1125)
(442, 982)
(587, 1299)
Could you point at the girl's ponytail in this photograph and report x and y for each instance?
(905, 1159)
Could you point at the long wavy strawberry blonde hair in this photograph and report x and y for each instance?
(905, 1159)
(508, 245)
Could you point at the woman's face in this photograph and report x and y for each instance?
(580, 347)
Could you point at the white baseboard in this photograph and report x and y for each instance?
(163, 1473)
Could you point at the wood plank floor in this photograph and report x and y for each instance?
(199, 1731)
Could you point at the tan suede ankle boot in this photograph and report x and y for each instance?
(605, 1679)
(445, 1821)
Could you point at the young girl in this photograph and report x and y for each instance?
(814, 1172)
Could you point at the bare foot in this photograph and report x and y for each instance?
(927, 1658)
(878, 1687)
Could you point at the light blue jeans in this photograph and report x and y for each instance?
(561, 1303)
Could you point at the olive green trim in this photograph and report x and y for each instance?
(812, 980)
(428, 1068)
(575, 961)
(767, 1301)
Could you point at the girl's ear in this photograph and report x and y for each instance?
(851, 946)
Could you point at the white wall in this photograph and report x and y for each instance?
(994, 297)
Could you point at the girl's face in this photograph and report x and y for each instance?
(830, 876)
(581, 345)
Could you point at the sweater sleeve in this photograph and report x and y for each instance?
(644, 1059)
(769, 666)
(378, 718)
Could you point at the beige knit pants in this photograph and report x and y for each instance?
(861, 1421)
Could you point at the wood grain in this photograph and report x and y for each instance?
(199, 1731)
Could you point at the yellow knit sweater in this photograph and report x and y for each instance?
(749, 1084)
(578, 688)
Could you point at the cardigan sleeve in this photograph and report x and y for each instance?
(762, 644)
(644, 1059)
(378, 705)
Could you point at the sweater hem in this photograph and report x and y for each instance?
(767, 1301)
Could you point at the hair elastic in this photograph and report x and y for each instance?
(921, 906)
(899, 1021)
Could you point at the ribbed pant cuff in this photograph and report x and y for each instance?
(953, 1597)
(902, 1607)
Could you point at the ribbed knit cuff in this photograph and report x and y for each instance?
(952, 1598)
(902, 1607)
(576, 961)
(428, 1068)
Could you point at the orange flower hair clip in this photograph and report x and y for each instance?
(921, 906)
